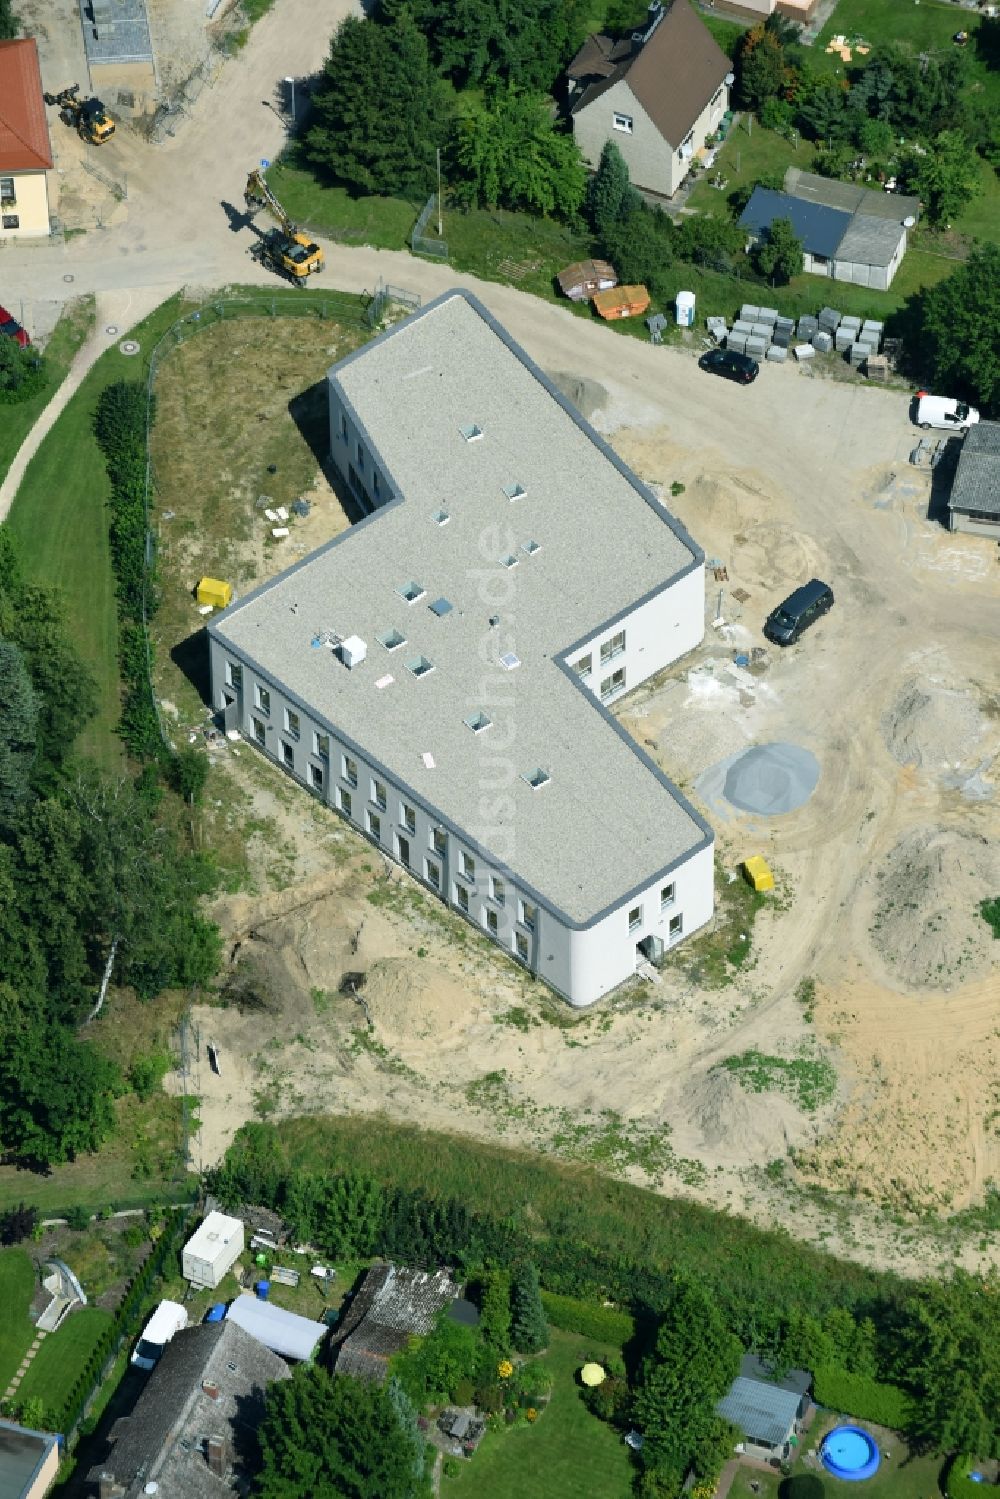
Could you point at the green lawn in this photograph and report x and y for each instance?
(69, 333)
(568, 1452)
(17, 1286)
(58, 1362)
(332, 211)
(905, 1475)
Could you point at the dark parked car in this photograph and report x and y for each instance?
(801, 609)
(729, 364)
(12, 328)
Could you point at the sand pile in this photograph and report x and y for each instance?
(741, 1128)
(934, 727)
(774, 555)
(926, 924)
(408, 1000)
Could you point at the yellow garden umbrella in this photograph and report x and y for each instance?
(592, 1374)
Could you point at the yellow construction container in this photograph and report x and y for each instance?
(758, 872)
(211, 591)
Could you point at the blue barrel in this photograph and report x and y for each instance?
(263, 1289)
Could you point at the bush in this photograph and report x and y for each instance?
(463, 1393)
(18, 1224)
(490, 1397)
(610, 1400)
(147, 1073)
(134, 1235)
(590, 1321)
(78, 1218)
(868, 1399)
(802, 1486)
(22, 373)
(958, 1484)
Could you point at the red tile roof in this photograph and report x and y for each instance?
(24, 131)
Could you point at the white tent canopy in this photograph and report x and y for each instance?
(285, 1333)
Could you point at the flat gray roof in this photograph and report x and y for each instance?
(874, 203)
(976, 485)
(870, 241)
(115, 31)
(607, 821)
(21, 1454)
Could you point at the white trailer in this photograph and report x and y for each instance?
(168, 1318)
(212, 1250)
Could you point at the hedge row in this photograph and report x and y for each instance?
(867, 1399)
(605, 1323)
(120, 429)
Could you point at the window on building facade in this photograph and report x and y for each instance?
(492, 921)
(462, 898)
(234, 674)
(529, 914)
(375, 826)
(293, 726)
(258, 730)
(344, 801)
(667, 896)
(408, 817)
(676, 928)
(379, 796)
(439, 842)
(343, 427)
(321, 746)
(349, 770)
(613, 647)
(262, 698)
(498, 889)
(635, 918)
(614, 683)
(11, 221)
(287, 755)
(622, 122)
(583, 666)
(7, 190)
(361, 459)
(521, 946)
(403, 850)
(316, 777)
(433, 873)
(466, 866)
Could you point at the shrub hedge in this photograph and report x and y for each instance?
(868, 1399)
(605, 1323)
(958, 1484)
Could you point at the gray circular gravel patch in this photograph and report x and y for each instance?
(771, 779)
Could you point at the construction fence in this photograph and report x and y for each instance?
(422, 243)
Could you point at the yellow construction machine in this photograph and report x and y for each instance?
(283, 248)
(91, 119)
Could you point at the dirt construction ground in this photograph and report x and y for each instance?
(872, 959)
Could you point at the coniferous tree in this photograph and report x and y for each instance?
(611, 198)
(529, 1329)
(18, 732)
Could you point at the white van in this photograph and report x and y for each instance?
(168, 1318)
(939, 411)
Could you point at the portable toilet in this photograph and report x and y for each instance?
(758, 872)
(213, 591)
(684, 309)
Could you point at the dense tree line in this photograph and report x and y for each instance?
(9, 23)
(90, 869)
(935, 1342)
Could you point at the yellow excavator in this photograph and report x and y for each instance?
(283, 247)
(92, 121)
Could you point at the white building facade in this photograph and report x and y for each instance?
(467, 733)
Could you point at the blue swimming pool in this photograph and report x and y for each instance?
(850, 1453)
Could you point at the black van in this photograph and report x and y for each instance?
(801, 609)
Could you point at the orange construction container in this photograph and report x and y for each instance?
(622, 301)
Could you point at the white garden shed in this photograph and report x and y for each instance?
(212, 1250)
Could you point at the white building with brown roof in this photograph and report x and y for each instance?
(25, 152)
(658, 95)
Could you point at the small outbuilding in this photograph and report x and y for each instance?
(758, 873)
(212, 1250)
(285, 1333)
(622, 301)
(847, 245)
(765, 1410)
(392, 1305)
(29, 1461)
(974, 502)
(583, 278)
(215, 592)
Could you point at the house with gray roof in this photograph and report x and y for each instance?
(974, 501)
(191, 1429)
(658, 94)
(874, 203)
(844, 243)
(766, 1410)
(392, 1305)
(29, 1461)
(442, 672)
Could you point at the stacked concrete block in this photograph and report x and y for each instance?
(737, 342)
(717, 327)
(782, 338)
(757, 347)
(829, 319)
(807, 327)
(777, 354)
(784, 325)
(748, 313)
(764, 331)
(804, 351)
(742, 327)
(822, 341)
(857, 354)
(871, 333)
(767, 315)
(853, 323)
(843, 338)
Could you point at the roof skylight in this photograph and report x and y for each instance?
(391, 640)
(411, 591)
(514, 491)
(509, 561)
(536, 778)
(441, 607)
(509, 660)
(419, 666)
(478, 721)
(440, 517)
(531, 547)
(471, 433)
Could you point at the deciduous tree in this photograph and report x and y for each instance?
(56, 1095)
(18, 732)
(510, 154)
(761, 67)
(958, 347)
(779, 255)
(946, 177)
(9, 23)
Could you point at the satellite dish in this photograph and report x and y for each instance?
(909, 221)
(729, 79)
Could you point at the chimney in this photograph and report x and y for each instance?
(109, 1487)
(210, 1388)
(215, 1453)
